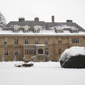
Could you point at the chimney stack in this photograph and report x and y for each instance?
(69, 21)
(36, 19)
(52, 19)
(21, 19)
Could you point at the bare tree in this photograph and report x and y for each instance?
(2, 20)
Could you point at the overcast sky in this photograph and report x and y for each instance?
(44, 9)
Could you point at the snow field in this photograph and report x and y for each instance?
(42, 73)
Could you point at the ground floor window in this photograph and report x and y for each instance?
(16, 52)
(29, 52)
(6, 52)
(59, 51)
(46, 51)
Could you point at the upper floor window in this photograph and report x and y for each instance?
(6, 52)
(46, 41)
(59, 40)
(5, 41)
(16, 28)
(16, 52)
(26, 40)
(36, 40)
(16, 41)
(75, 40)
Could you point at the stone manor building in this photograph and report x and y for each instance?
(38, 40)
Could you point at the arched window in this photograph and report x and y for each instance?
(40, 51)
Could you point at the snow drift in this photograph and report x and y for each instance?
(73, 57)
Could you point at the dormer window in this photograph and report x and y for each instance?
(59, 30)
(16, 28)
(74, 30)
(26, 28)
(36, 29)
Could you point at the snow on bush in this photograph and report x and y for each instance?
(73, 57)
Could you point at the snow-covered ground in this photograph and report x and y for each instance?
(42, 73)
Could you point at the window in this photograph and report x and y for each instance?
(46, 51)
(26, 40)
(60, 51)
(16, 41)
(16, 28)
(75, 40)
(6, 52)
(5, 41)
(46, 41)
(16, 52)
(59, 40)
(59, 30)
(26, 51)
(36, 40)
(29, 52)
(75, 30)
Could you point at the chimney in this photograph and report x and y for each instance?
(52, 19)
(36, 19)
(21, 19)
(69, 21)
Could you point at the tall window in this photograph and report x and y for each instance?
(16, 52)
(6, 52)
(36, 40)
(26, 40)
(75, 40)
(59, 40)
(46, 41)
(16, 41)
(26, 51)
(5, 41)
(59, 51)
(46, 51)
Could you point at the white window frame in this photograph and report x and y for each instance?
(26, 40)
(46, 40)
(75, 40)
(5, 41)
(47, 51)
(36, 40)
(6, 52)
(16, 41)
(59, 51)
(16, 52)
(59, 40)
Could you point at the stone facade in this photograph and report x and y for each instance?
(54, 46)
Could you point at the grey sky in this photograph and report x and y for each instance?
(44, 9)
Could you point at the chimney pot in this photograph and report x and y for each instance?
(52, 19)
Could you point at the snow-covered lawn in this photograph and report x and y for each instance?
(42, 73)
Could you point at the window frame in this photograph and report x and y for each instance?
(6, 52)
(59, 40)
(5, 41)
(16, 40)
(16, 53)
(36, 40)
(46, 41)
